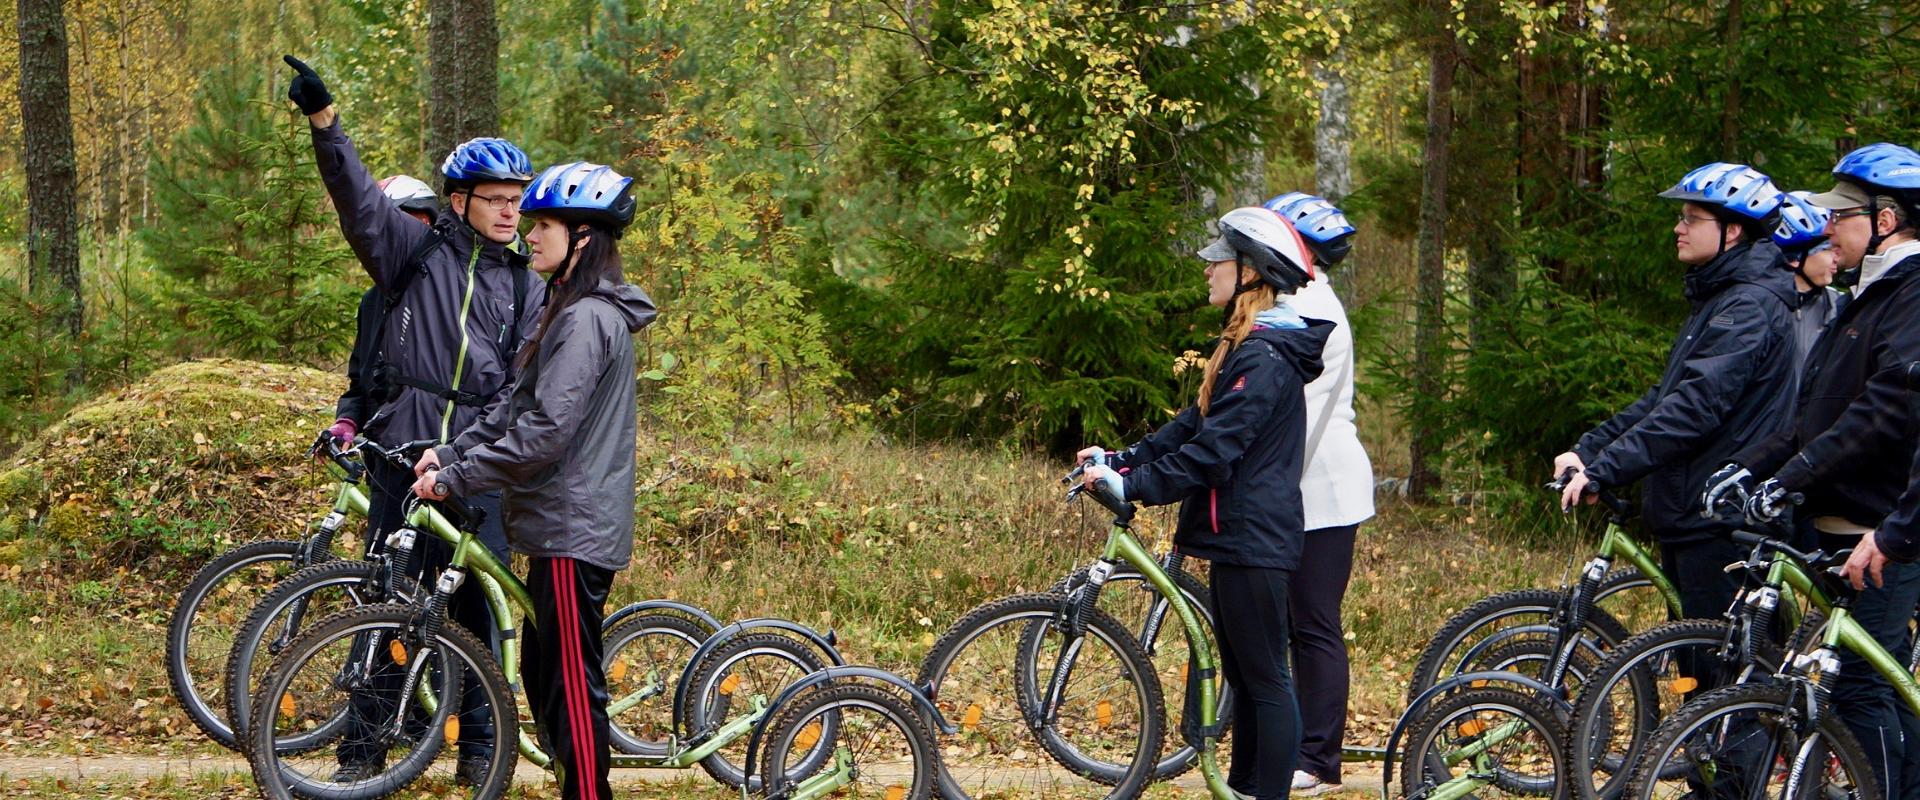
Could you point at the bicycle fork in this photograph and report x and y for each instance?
(424, 632)
(1573, 618)
(1080, 604)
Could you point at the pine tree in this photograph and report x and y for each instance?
(254, 263)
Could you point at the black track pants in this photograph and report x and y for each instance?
(1886, 727)
(1320, 647)
(566, 686)
(1252, 622)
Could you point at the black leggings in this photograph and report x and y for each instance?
(1252, 623)
(1320, 647)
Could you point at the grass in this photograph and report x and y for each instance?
(238, 786)
(883, 544)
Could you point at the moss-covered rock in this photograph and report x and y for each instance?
(176, 467)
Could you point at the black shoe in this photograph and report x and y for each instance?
(357, 771)
(472, 769)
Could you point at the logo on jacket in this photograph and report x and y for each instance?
(1239, 384)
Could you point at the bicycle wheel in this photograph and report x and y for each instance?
(884, 746)
(201, 630)
(1105, 734)
(1748, 741)
(736, 679)
(1639, 684)
(1525, 613)
(644, 656)
(1131, 599)
(346, 675)
(1494, 742)
(305, 597)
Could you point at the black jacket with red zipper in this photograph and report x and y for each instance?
(1236, 471)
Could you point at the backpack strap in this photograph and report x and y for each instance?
(521, 275)
(390, 381)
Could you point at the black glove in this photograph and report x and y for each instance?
(1731, 484)
(307, 90)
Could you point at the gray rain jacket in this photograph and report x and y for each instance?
(451, 326)
(561, 443)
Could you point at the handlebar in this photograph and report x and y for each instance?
(1122, 510)
(1618, 506)
(1816, 561)
(401, 456)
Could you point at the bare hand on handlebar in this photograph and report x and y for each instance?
(429, 487)
(1576, 491)
(1565, 461)
(1865, 564)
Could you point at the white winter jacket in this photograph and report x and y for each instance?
(1337, 485)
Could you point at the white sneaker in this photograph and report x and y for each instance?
(1305, 784)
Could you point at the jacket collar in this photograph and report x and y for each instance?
(463, 238)
(1758, 263)
(1877, 267)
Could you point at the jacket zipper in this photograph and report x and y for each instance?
(460, 361)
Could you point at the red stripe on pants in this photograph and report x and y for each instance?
(574, 678)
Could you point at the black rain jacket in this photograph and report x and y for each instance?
(1850, 444)
(1236, 471)
(1728, 384)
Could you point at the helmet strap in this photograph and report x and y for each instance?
(1239, 265)
(574, 235)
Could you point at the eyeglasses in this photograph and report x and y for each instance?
(498, 202)
(1858, 212)
(1688, 221)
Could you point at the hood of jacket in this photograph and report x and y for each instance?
(1300, 347)
(635, 307)
(1759, 263)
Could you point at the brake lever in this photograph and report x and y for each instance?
(1559, 484)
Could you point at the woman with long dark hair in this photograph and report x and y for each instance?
(561, 447)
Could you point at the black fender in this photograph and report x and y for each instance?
(823, 642)
(922, 698)
(706, 620)
(1420, 703)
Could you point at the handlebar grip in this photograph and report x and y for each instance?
(1749, 537)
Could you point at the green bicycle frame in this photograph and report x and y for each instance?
(1123, 546)
(1616, 544)
(352, 496)
(506, 595)
(1844, 633)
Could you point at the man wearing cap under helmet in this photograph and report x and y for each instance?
(1851, 444)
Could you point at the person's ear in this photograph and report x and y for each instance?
(1888, 218)
(459, 202)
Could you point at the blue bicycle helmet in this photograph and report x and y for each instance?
(581, 192)
(1803, 225)
(486, 159)
(1737, 189)
(1882, 165)
(1324, 227)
